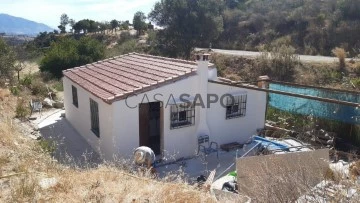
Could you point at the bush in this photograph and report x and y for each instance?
(22, 109)
(27, 80)
(279, 63)
(341, 54)
(68, 53)
(125, 36)
(356, 82)
(39, 89)
(15, 90)
(47, 146)
(357, 70)
(58, 86)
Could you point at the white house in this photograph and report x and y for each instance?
(133, 100)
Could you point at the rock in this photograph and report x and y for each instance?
(32, 118)
(62, 115)
(58, 104)
(48, 102)
(47, 183)
(35, 136)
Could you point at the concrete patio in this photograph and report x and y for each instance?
(71, 148)
(202, 165)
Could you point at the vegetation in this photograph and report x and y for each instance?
(341, 54)
(22, 109)
(26, 163)
(7, 62)
(69, 53)
(280, 63)
(187, 24)
(64, 21)
(139, 22)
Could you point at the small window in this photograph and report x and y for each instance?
(236, 106)
(75, 96)
(94, 114)
(182, 115)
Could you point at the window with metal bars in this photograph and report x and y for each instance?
(75, 96)
(182, 115)
(94, 114)
(236, 106)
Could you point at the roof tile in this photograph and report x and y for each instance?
(115, 78)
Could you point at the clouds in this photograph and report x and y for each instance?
(49, 11)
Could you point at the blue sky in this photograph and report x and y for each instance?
(49, 11)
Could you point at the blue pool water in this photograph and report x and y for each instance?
(271, 145)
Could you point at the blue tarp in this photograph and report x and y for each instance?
(346, 114)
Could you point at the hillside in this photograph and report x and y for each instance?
(312, 27)
(29, 174)
(20, 26)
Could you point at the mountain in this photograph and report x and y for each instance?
(15, 25)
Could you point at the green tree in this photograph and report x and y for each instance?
(69, 53)
(114, 24)
(187, 23)
(64, 21)
(125, 25)
(72, 23)
(139, 22)
(7, 61)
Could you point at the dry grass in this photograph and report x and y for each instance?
(341, 54)
(23, 166)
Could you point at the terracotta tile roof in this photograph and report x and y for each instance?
(116, 78)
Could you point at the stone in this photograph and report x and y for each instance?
(48, 102)
(32, 118)
(58, 104)
(35, 136)
(47, 183)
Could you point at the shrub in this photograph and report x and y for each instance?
(47, 146)
(22, 109)
(125, 36)
(356, 82)
(58, 86)
(279, 63)
(357, 70)
(69, 53)
(15, 90)
(39, 89)
(341, 54)
(27, 80)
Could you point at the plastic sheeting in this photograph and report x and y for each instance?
(346, 114)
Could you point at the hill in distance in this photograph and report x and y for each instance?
(20, 26)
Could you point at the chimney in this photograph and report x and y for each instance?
(263, 82)
(203, 73)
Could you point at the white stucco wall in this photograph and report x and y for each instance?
(238, 129)
(179, 142)
(80, 119)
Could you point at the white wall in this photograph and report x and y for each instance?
(80, 119)
(236, 129)
(179, 142)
